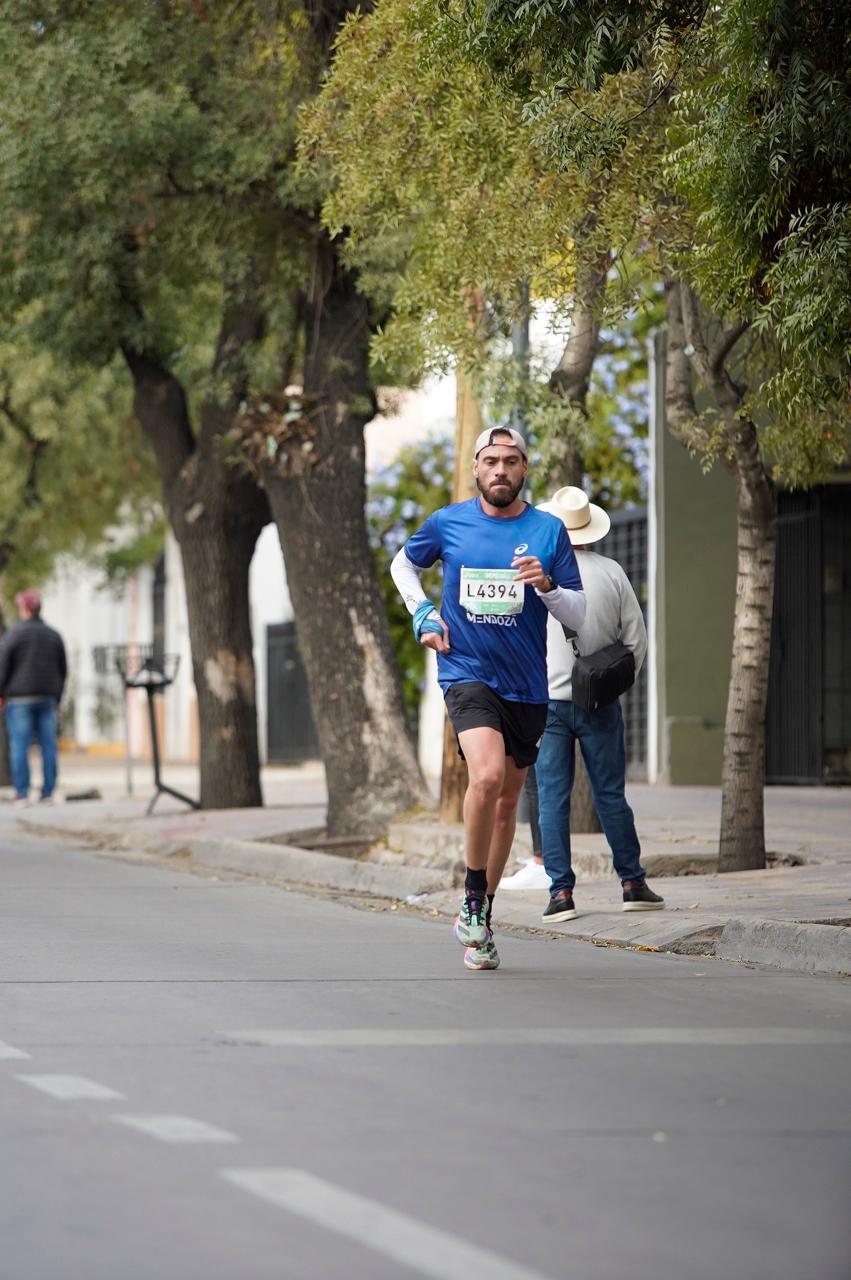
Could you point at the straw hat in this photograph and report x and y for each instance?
(584, 521)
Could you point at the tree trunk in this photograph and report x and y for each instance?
(217, 526)
(571, 379)
(216, 513)
(317, 495)
(742, 843)
(742, 837)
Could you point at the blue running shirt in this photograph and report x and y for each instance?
(505, 650)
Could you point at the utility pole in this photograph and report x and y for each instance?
(468, 424)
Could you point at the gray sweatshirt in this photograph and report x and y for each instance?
(612, 613)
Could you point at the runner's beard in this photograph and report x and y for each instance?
(502, 497)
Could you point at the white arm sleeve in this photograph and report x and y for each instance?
(407, 577)
(566, 606)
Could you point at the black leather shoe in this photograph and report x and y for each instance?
(560, 908)
(637, 897)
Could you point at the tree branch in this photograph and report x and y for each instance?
(724, 343)
(159, 403)
(726, 394)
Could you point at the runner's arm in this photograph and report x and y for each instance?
(407, 577)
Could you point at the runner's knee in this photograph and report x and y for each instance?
(486, 784)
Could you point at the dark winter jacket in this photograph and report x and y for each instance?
(32, 662)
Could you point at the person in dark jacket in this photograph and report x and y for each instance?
(33, 668)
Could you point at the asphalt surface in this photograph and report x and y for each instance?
(222, 1079)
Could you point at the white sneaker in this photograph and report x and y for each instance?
(51, 799)
(21, 802)
(529, 878)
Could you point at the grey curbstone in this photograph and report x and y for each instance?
(807, 948)
(423, 840)
(301, 866)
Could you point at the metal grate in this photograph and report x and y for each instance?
(626, 542)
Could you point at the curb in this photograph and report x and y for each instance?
(301, 866)
(419, 839)
(803, 947)
(806, 948)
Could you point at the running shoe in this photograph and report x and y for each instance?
(486, 957)
(470, 927)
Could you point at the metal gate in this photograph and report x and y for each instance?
(290, 731)
(808, 720)
(626, 542)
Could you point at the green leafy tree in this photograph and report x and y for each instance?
(744, 203)
(153, 210)
(73, 464)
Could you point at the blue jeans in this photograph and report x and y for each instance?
(23, 720)
(601, 739)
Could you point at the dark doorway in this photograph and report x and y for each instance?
(158, 602)
(808, 724)
(291, 733)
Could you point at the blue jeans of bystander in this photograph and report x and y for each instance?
(601, 739)
(23, 721)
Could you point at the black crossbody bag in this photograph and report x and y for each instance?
(599, 679)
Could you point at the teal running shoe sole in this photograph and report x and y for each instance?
(480, 958)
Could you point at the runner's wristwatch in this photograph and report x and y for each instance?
(551, 587)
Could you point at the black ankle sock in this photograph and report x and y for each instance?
(476, 882)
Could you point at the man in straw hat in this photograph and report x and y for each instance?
(507, 568)
(613, 613)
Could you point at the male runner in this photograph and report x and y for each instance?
(506, 567)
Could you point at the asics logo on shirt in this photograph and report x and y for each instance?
(524, 546)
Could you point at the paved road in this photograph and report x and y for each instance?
(205, 1078)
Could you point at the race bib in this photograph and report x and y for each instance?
(491, 591)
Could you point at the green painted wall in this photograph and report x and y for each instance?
(694, 598)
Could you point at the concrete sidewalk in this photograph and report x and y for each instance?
(792, 916)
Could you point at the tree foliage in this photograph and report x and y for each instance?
(73, 463)
(762, 153)
(417, 482)
(751, 104)
(134, 167)
(431, 161)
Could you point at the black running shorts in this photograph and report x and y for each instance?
(474, 706)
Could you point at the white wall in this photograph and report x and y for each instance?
(87, 613)
(270, 603)
(180, 714)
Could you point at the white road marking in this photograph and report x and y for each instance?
(72, 1088)
(569, 1037)
(426, 1249)
(176, 1128)
(9, 1051)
